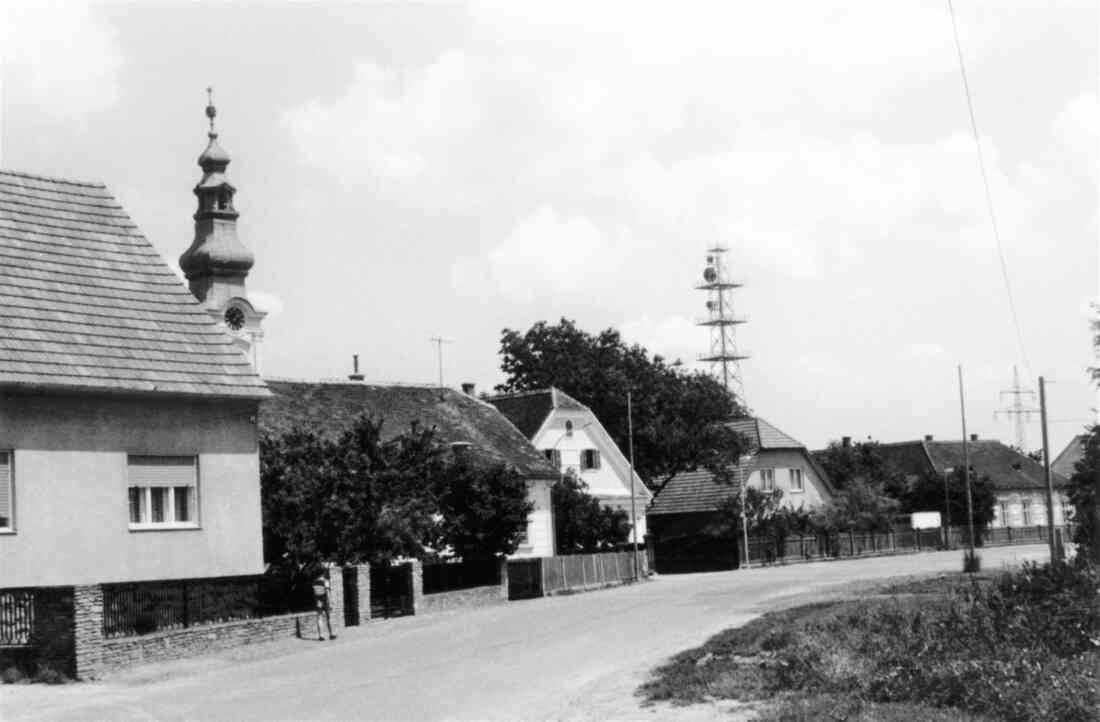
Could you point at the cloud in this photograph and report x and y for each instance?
(546, 253)
(64, 60)
(674, 337)
(270, 303)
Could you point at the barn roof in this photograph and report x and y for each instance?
(331, 407)
(86, 302)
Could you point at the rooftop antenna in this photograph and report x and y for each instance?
(1017, 411)
(439, 341)
(724, 357)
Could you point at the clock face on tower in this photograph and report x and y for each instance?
(234, 318)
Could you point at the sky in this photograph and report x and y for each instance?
(406, 171)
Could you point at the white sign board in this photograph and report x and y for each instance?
(925, 520)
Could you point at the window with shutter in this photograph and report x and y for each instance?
(767, 479)
(590, 459)
(7, 494)
(163, 492)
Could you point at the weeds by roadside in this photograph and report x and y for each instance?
(1021, 646)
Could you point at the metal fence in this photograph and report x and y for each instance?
(16, 617)
(143, 607)
(849, 544)
(448, 576)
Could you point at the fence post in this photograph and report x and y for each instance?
(417, 573)
(88, 630)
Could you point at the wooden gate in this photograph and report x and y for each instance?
(351, 596)
(524, 578)
(391, 592)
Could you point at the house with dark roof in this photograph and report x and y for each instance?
(128, 440)
(1065, 464)
(1019, 481)
(573, 440)
(683, 518)
(456, 418)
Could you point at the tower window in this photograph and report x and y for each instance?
(223, 200)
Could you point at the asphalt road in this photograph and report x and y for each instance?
(577, 657)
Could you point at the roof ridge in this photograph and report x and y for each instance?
(53, 179)
(348, 382)
(521, 394)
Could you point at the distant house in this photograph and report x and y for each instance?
(1019, 481)
(128, 445)
(329, 408)
(683, 518)
(1066, 462)
(573, 439)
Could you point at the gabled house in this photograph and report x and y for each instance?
(1019, 482)
(330, 407)
(573, 440)
(128, 444)
(1066, 462)
(684, 520)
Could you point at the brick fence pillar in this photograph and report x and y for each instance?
(336, 598)
(504, 579)
(417, 585)
(88, 630)
(362, 580)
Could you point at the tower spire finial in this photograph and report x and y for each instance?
(211, 111)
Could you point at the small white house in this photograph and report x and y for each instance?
(573, 439)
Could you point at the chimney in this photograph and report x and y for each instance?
(355, 375)
(846, 441)
(468, 388)
(928, 437)
(973, 437)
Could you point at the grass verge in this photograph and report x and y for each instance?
(1014, 646)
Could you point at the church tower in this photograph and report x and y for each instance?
(217, 263)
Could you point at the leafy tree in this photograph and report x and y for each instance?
(360, 498)
(765, 515)
(581, 524)
(355, 499)
(679, 417)
(1083, 495)
(861, 461)
(860, 506)
(484, 511)
(926, 494)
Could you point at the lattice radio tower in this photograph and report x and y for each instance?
(724, 357)
(1017, 411)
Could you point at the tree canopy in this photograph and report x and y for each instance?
(1085, 497)
(361, 498)
(580, 523)
(927, 494)
(862, 461)
(680, 417)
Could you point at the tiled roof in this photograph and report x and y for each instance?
(1007, 468)
(526, 410)
(1066, 461)
(329, 408)
(529, 409)
(763, 435)
(87, 303)
(698, 491)
(692, 491)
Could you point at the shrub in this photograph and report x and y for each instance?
(12, 675)
(972, 562)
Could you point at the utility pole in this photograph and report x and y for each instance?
(439, 341)
(947, 507)
(1017, 411)
(966, 464)
(1055, 555)
(633, 516)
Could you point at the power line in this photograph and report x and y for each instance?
(988, 194)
